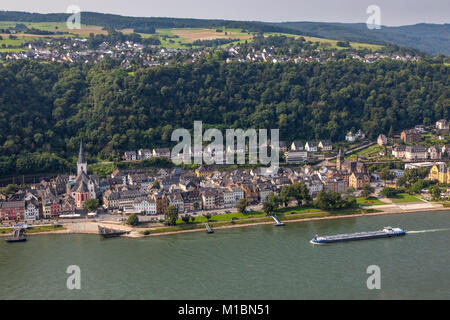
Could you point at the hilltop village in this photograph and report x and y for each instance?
(139, 53)
(368, 170)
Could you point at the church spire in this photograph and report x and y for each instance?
(81, 158)
(81, 163)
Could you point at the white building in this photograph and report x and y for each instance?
(31, 211)
(145, 206)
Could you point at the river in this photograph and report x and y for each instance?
(259, 262)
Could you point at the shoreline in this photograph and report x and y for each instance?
(136, 233)
(359, 215)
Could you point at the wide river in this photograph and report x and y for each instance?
(259, 262)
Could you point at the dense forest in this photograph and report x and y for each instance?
(46, 109)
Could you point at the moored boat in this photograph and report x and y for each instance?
(18, 235)
(387, 232)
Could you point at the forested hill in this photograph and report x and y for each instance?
(431, 38)
(143, 25)
(45, 109)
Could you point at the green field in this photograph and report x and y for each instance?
(170, 38)
(404, 198)
(371, 201)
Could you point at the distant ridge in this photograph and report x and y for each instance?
(430, 38)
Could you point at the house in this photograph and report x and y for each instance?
(162, 202)
(358, 180)
(145, 154)
(297, 146)
(296, 156)
(442, 125)
(130, 156)
(144, 206)
(12, 211)
(435, 152)
(350, 137)
(161, 153)
(283, 146)
(399, 152)
(176, 200)
(440, 172)
(209, 199)
(251, 193)
(325, 146)
(412, 135)
(360, 135)
(31, 210)
(229, 197)
(311, 146)
(382, 140)
(205, 170)
(335, 184)
(416, 153)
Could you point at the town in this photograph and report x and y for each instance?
(141, 52)
(368, 171)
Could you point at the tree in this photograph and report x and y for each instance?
(133, 219)
(367, 190)
(300, 192)
(242, 205)
(171, 215)
(285, 195)
(186, 218)
(272, 204)
(91, 205)
(385, 175)
(388, 192)
(435, 192)
(10, 189)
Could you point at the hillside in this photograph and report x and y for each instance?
(45, 109)
(431, 38)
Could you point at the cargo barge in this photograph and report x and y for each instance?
(387, 232)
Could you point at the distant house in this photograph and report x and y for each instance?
(297, 146)
(358, 180)
(325, 145)
(435, 152)
(296, 156)
(311, 146)
(416, 153)
(161, 153)
(399, 152)
(350, 137)
(442, 125)
(412, 135)
(145, 154)
(382, 140)
(130, 156)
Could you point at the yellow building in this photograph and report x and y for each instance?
(440, 172)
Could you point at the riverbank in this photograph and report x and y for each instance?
(285, 219)
(134, 232)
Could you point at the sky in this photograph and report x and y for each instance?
(393, 12)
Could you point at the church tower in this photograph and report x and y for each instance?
(81, 163)
(340, 160)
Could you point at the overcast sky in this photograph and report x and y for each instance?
(393, 12)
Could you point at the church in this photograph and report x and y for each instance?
(355, 172)
(82, 187)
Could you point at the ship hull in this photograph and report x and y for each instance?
(326, 240)
(16, 240)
